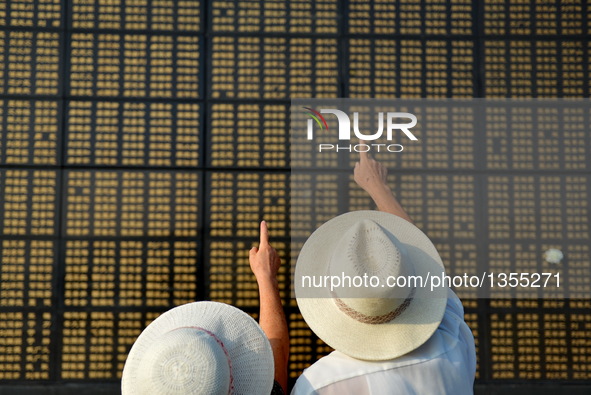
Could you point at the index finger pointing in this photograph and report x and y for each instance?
(264, 233)
(362, 154)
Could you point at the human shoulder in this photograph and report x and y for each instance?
(451, 341)
(333, 367)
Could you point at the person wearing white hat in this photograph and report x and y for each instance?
(211, 348)
(403, 338)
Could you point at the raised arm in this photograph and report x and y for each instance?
(265, 263)
(370, 175)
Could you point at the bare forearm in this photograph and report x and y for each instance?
(265, 263)
(272, 321)
(387, 202)
(372, 176)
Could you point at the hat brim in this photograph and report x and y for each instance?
(409, 330)
(247, 345)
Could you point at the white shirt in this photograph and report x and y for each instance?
(445, 364)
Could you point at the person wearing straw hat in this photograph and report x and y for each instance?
(403, 338)
(212, 348)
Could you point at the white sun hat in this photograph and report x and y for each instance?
(200, 348)
(378, 320)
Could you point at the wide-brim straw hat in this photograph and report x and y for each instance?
(200, 348)
(370, 323)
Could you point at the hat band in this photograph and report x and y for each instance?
(378, 319)
(231, 389)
